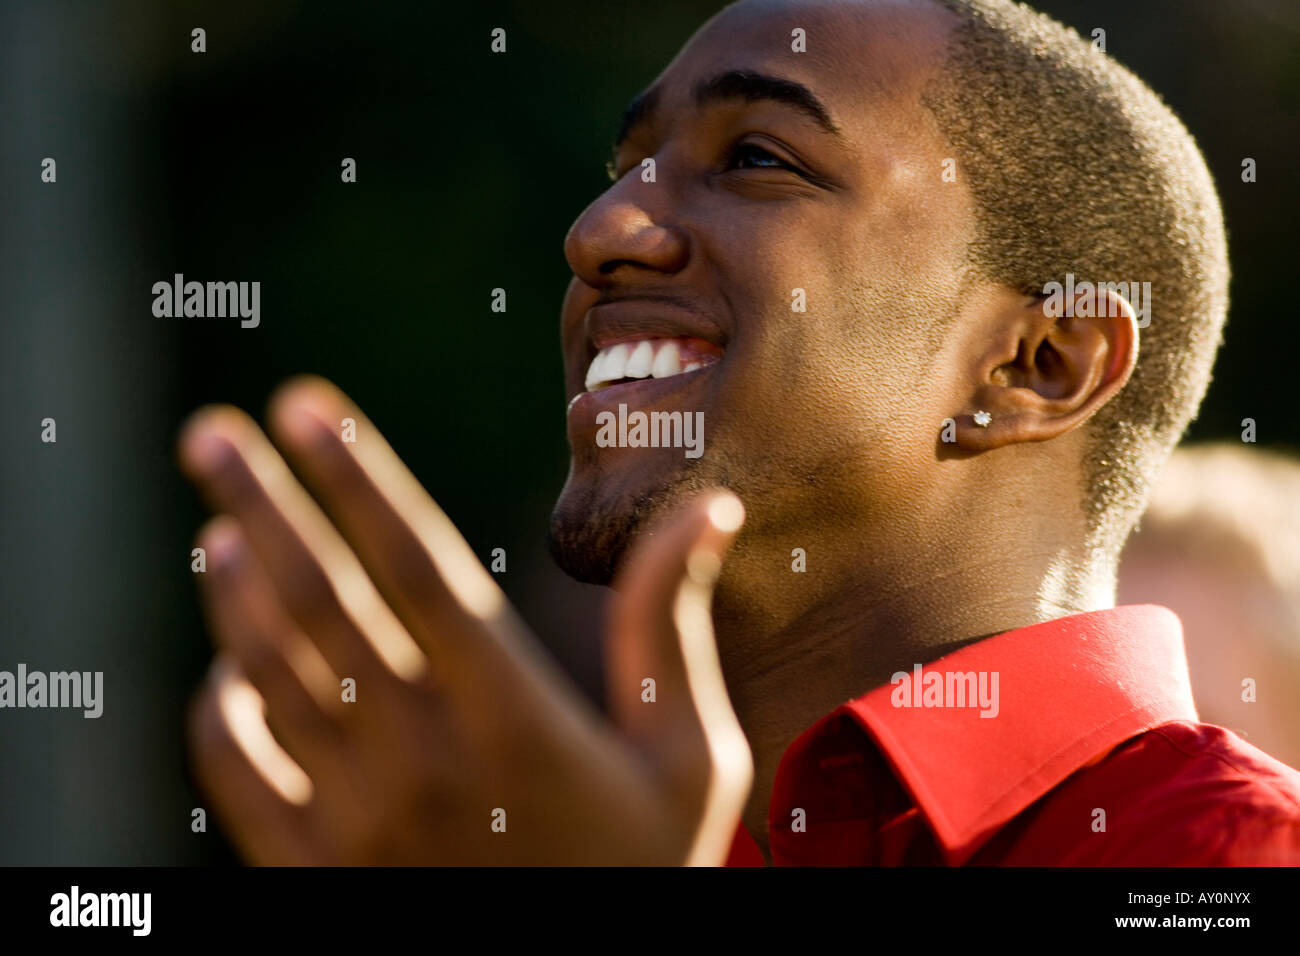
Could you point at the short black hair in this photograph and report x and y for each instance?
(1076, 166)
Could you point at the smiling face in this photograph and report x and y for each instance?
(774, 171)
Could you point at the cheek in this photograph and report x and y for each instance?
(830, 340)
(816, 385)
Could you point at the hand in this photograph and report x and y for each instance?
(463, 742)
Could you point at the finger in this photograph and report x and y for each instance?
(417, 558)
(661, 628)
(301, 693)
(319, 580)
(259, 794)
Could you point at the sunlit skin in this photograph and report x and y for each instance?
(826, 424)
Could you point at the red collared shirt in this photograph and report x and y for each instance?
(1085, 749)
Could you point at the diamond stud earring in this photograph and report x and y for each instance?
(982, 419)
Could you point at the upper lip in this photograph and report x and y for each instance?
(630, 318)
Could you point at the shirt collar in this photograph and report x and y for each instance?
(1068, 691)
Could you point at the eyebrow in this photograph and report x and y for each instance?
(734, 85)
(637, 112)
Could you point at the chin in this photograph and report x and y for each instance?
(593, 526)
(586, 551)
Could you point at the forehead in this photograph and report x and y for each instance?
(865, 60)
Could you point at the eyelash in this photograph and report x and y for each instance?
(777, 161)
(737, 150)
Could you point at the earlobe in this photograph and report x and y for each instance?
(1049, 374)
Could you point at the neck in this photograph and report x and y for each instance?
(789, 663)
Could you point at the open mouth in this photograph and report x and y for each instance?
(637, 359)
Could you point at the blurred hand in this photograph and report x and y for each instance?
(459, 740)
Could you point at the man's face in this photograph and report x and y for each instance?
(774, 171)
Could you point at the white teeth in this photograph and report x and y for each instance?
(607, 366)
(596, 370)
(615, 362)
(638, 363)
(667, 360)
(657, 358)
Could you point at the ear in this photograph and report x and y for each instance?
(1045, 373)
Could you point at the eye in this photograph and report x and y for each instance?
(753, 156)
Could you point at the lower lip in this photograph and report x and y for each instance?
(645, 393)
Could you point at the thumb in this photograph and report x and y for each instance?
(661, 631)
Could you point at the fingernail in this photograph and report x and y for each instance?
(301, 426)
(205, 450)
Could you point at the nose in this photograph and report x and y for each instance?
(623, 231)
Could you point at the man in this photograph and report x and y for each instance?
(843, 261)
